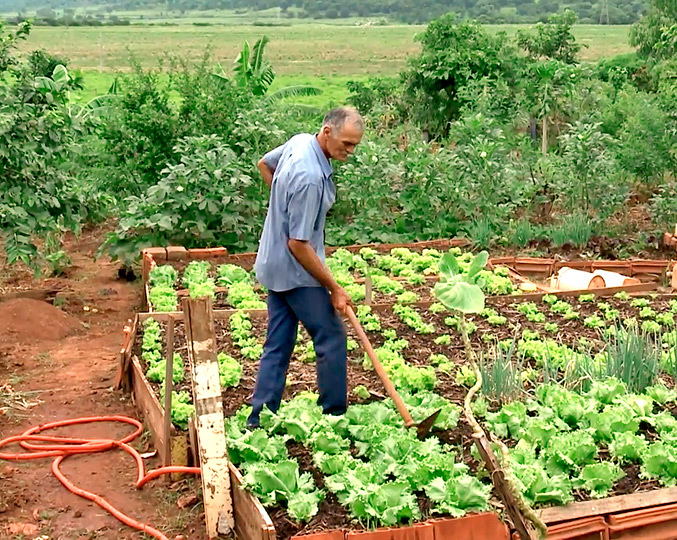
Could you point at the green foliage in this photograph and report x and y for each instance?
(158, 370)
(453, 54)
(206, 199)
(39, 194)
(552, 40)
(227, 274)
(634, 358)
(599, 478)
(280, 482)
(164, 274)
(501, 375)
(230, 371)
(459, 289)
(655, 34)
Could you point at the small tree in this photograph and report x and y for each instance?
(452, 56)
(552, 40)
(655, 34)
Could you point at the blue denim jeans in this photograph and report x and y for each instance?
(312, 306)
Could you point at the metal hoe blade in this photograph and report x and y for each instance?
(424, 427)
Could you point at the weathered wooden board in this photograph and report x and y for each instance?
(153, 414)
(610, 505)
(251, 519)
(211, 435)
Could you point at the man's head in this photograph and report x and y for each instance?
(341, 132)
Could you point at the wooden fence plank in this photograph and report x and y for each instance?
(211, 435)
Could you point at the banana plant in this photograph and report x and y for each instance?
(56, 90)
(252, 70)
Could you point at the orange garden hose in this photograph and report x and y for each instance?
(63, 447)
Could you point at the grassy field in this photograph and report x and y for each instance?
(320, 54)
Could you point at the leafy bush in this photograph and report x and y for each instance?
(208, 198)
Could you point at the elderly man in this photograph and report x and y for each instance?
(290, 262)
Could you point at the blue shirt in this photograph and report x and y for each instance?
(301, 195)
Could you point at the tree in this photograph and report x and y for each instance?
(253, 71)
(655, 34)
(552, 40)
(452, 56)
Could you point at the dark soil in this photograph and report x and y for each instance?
(631, 483)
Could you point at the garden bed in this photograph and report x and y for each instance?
(302, 379)
(580, 332)
(369, 275)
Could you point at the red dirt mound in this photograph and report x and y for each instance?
(25, 320)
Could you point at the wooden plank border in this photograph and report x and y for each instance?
(153, 414)
(252, 522)
(610, 505)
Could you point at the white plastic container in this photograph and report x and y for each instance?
(569, 279)
(614, 279)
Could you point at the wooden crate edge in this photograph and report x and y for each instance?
(611, 505)
(153, 415)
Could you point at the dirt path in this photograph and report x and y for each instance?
(70, 377)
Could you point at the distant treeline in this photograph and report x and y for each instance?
(53, 20)
(407, 11)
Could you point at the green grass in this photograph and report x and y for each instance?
(301, 49)
(324, 55)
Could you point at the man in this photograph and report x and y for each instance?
(290, 262)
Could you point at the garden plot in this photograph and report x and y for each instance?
(523, 344)
(369, 276)
(323, 447)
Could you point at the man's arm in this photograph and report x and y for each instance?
(266, 172)
(303, 207)
(268, 163)
(307, 257)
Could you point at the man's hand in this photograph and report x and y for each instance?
(305, 255)
(340, 300)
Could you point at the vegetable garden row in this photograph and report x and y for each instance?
(578, 391)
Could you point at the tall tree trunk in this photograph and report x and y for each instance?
(544, 145)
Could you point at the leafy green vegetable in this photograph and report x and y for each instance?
(227, 274)
(413, 319)
(157, 371)
(369, 320)
(458, 495)
(599, 478)
(627, 447)
(465, 376)
(163, 298)
(461, 290)
(195, 272)
(279, 482)
(230, 370)
(361, 391)
(165, 275)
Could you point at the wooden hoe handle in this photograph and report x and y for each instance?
(389, 386)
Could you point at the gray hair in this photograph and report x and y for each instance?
(340, 116)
